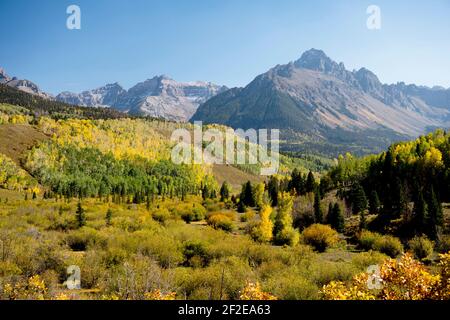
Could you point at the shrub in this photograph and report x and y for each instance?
(85, 238)
(212, 205)
(146, 274)
(196, 214)
(220, 221)
(189, 211)
(421, 247)
(289, 237)
(367, 239)
(389, 245)
(404, 279)
(114, 257)
(253, 291)
(161, 215)
(228, 213)
(363, 260)
(164, 250)
(8, 268)
(247, 216)
(320, 237)
(92, 267)
(444, 244)
(195, 254)
(323, 272)
(293, 287)
(386, 244)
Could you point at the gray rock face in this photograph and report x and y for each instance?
(102, 97)
(316, 95)
(159, 97)
(23, 85)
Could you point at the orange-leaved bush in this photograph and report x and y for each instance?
(253, 291)
(403, 279)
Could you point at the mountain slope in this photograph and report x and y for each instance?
(317, 97)
(22, 85)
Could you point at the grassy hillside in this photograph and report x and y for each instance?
(17, 139)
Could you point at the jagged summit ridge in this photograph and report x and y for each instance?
(160, 97)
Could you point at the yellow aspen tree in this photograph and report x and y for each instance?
(263, 231)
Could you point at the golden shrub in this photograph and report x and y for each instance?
(33, 288)
(253, 291)
(403, 279)
(159, 295)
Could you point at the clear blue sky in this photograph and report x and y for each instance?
(224, 41)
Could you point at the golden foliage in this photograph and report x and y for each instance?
(14, 178)
(284, 232)
(263, 231)
(403, 279)
(124, 138)
(320, 236)
(253, 291)
(159, 295)
(34, 288)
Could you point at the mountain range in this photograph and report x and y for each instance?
(319, 104)
(317, 99)
(159, 97)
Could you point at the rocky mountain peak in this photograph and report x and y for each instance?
(368, 81)
(317, 60)
(22, 85)
(160, 96)
(3, 74)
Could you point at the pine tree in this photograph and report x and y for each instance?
(400, 199)
(296, 183)
(336, 218)
(374, 203)
(310, 185)
(108, 217)
(247, 194)
(329, 214)
(362, 220)
(318, 214)
(325, 185)
(420, 215)
(241, 208)
(205, 192)
(80, 215)
(358, 199)
(273, 189)
(224, 191)
(339, 218)
(435, 216)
